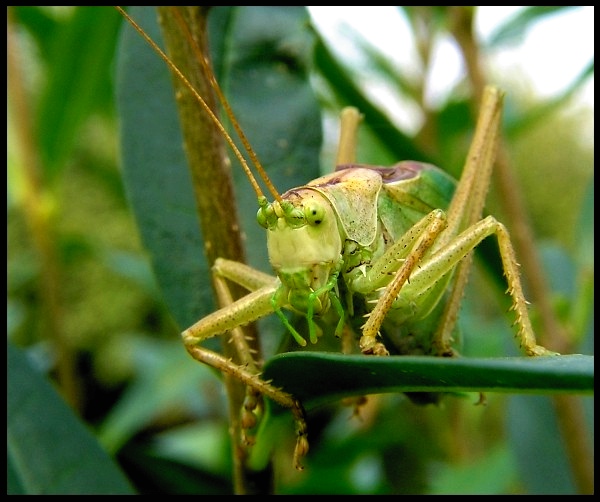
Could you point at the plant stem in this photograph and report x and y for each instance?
(211, 174)
(38, 209)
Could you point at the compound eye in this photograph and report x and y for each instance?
(314, 214)
(295, 218)
(266, 216)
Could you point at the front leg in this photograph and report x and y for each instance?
(254, 381)
(253, 306)
(230, 317)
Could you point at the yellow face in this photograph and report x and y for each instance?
(304, 240)
(315, 241)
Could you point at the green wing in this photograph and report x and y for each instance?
(410, 191)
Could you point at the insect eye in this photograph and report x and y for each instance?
(314, 214)
(295, 218)
(266, 216)
(261, 218)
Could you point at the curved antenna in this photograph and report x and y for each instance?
(228, 111)
(198, 98)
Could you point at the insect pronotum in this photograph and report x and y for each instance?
(389, 245)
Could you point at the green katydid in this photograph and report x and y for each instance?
(391, 244)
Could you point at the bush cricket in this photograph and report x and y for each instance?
(380, 254)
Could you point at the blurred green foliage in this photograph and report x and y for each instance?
(83, 301)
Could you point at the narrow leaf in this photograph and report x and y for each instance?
(315, 378)
(514, 29)
(349, 93)
(79, 81)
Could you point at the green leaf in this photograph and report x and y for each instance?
(155, 172)
(79, 81)
(349, 94)
(40, 24)
(539, 446)
(491, 475)
(49, 449)
(318, 377)
(266, 98)
(518, 122)
(513, 31)
(165, 378)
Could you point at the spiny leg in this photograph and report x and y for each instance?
(348, 346)
(253, 405)
(468, 240)
(253, 380)
(229, 318)
(465, 210)
(469, 197)
(450, 314)
(444, 260)
(349, 121)
(242, 274)
(418, 245)
(468, 202)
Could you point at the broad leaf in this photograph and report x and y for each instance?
(50, 451)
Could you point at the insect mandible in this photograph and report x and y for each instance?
(365, 242)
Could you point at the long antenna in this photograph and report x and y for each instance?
(200, 100)
(228, 111)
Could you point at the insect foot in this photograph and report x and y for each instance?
(370, 346)
(251, 410)
(301, 448)
(258, 387)
(538, 350)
